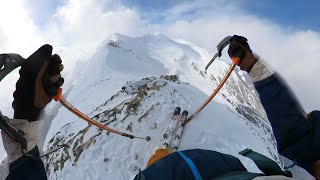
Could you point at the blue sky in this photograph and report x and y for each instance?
(288, 13)
(41, 11)
(294, 13)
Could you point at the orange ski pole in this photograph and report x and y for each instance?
(78, 113)
(233, 65)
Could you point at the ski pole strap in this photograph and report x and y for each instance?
(191, 165)
(265, 164)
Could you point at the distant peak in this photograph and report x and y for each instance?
(114, 40)
(156, 35)
(116, 37)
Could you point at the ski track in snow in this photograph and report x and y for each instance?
(124, 62)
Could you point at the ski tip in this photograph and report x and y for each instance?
(177, 111)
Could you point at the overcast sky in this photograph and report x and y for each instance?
(285, 33)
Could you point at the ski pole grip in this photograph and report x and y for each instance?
(57, 97)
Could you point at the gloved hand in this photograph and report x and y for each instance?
(240, 48)
(39, 81)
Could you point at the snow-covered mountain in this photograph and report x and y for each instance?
(133, 85)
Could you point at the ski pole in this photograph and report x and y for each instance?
(78, 113)
(236, 60)
(215, 92)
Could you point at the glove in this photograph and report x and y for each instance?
(241, 49)
(39, 81)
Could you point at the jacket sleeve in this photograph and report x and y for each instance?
(19, 166)
(16, 165)
(285, 114)
(297, 134)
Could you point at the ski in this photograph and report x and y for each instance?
(167, 136)
(178, 134)
(176, 113)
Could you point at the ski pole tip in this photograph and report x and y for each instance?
(148, 138)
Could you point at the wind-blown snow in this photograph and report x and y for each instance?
(133, 85)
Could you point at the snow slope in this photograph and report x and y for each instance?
(133, 85)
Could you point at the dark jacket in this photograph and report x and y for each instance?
(297, 138)
(211, 164)
(26, 168)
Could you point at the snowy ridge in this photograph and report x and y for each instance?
(133, 110)
(133, 85)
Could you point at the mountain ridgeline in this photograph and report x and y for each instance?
(133, 85)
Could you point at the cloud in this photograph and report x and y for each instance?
(78, 27)
(18, 34)
(18, 31)
(41, 11)
(75, 30)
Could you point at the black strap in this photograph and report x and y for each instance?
(13, 132)
(8, 63)
(265, 164)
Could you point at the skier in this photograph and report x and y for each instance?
(297, 133)
(39, 81)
